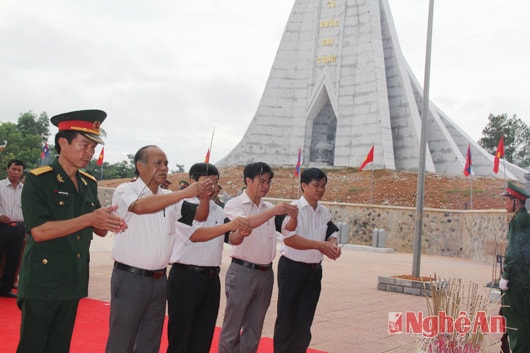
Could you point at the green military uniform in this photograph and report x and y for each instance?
(55, 270)
(516, 269)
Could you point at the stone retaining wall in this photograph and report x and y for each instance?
(445, 232)
(456, 233)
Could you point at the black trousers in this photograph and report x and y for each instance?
(11, 243)
(193, 304)
(299, 286)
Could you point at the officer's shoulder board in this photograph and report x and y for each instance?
(88, 175)
(41, 170)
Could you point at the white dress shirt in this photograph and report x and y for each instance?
(207, 253)
(260, 246)
(312, 224)
(10, 200)
(148, 240)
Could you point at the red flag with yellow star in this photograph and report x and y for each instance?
(101, 156)
(498, 155)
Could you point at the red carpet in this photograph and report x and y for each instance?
(91, 329)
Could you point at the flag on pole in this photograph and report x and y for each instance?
(498, 155)
(101, 156)
(45, 151)
(369, 158)
(467, 167)
(207, 157)
(297, 168)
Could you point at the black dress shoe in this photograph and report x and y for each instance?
(8, 294)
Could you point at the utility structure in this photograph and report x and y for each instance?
(340, 84)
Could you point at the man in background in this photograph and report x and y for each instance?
(515, 280)
(12, 231)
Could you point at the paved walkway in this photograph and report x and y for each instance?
(352, 314)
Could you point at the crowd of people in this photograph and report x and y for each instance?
(58, 211)
(52, 218)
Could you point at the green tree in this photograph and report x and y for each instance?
(24, 140)
(516, 138)
(120, 170)
(29, 124)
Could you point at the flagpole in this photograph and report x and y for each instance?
(471, 191)
(207, 159)
(504, 170)
(101, 177)
(211, 142)
(296, 176)
(418, 228)
(372, 184)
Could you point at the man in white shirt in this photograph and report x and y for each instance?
(249, 279)
(12, 231)
(141, 254)
(299, 267)
(194, 288)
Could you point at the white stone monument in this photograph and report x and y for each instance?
(340, 84)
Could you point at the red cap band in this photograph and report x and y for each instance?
(80, 125)
(515, 194)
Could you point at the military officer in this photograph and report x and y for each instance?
(61, 211)
(515, 281)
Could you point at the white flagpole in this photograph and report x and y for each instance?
(423, 147)
(372, 184)
(471, 190)
(504, 169)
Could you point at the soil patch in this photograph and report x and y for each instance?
(392, 188)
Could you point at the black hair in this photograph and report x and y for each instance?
(16, 162)
(254, 169)
(202, 169)
(312, 174)
(141, 156)
(69, 135)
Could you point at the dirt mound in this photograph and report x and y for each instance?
(392, 188)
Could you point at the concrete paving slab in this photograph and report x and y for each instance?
(352, 315)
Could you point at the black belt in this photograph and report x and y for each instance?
(313, 266)
(262, 268)
(13, 224)
(140, 271)
(207, 270)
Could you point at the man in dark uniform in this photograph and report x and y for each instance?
(61, 211)
(515, 281)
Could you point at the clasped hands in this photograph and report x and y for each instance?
(105, 218)
(242, 224)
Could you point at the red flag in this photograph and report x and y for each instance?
(498, 155)
(207, 157)
(101, 156)
(369, 158)
(467, 168)
(297, 168)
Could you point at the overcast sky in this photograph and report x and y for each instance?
(168, 72)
